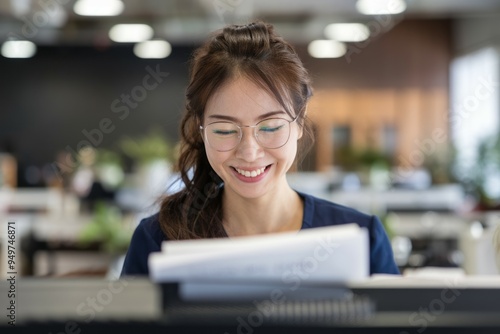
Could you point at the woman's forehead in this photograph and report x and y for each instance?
(241, 96)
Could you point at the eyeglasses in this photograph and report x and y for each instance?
(270, 133)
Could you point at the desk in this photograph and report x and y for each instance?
(134, 306)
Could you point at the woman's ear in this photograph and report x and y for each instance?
(199, 124)
(301, 127)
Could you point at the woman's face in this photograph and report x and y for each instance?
(249, 170)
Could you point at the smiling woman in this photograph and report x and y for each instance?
(252, 160)
(245, 123)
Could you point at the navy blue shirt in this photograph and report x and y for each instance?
(148, 236)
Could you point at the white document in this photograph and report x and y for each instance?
(324, 254)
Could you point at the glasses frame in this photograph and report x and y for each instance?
(255, 135)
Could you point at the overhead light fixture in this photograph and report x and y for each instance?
(326, 49)
(131, 33)
(347, 32)
(18, 49)
(381, 7)
(156, 49)
(98, 7)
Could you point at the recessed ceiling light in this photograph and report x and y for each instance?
(131, 33)
(98, 7)
(156, 49)
(18, 49)
(347, 32)
(381, 7)
(326, 49)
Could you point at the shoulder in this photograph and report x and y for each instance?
(150, 227)
(320, 212)
(147, 238)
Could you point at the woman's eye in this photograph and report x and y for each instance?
(224, 132)
(270, 129)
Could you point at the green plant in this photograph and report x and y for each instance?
(106, 228)
(440, 164)
(352, 159)
(477, 178)
(105, 156)
(109, 168)
(150, 147)
(488, 164)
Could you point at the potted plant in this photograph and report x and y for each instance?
(486, 169)
(152, 155)
(107, 229)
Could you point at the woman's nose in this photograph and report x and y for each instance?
(249, 148)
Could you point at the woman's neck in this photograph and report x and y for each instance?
(276, 212)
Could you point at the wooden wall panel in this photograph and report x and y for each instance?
(399, 79)
(408, 127)
(415, 114)
(360, 117)
(435, 116)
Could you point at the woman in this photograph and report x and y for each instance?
(245, 119)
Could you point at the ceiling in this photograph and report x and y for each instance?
(188, 21)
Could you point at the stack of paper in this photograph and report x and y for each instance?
(324, 254)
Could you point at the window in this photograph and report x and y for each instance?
(474, 108)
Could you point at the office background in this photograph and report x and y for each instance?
(406, 120)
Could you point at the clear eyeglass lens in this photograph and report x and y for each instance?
(273, 133)
(270, 133)
(223, 136)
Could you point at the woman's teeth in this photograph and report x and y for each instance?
(252, 173)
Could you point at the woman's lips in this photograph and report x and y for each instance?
(251, 174)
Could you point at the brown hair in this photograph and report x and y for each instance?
(258, 53)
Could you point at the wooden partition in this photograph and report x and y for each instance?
(418, 116)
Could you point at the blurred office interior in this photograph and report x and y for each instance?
(405, 109)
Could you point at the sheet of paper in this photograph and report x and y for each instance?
(326, 254)
(201, 246)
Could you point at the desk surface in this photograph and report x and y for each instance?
(158, 327)
(133, 305)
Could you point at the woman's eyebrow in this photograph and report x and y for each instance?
(261, 117)
(272, 113)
